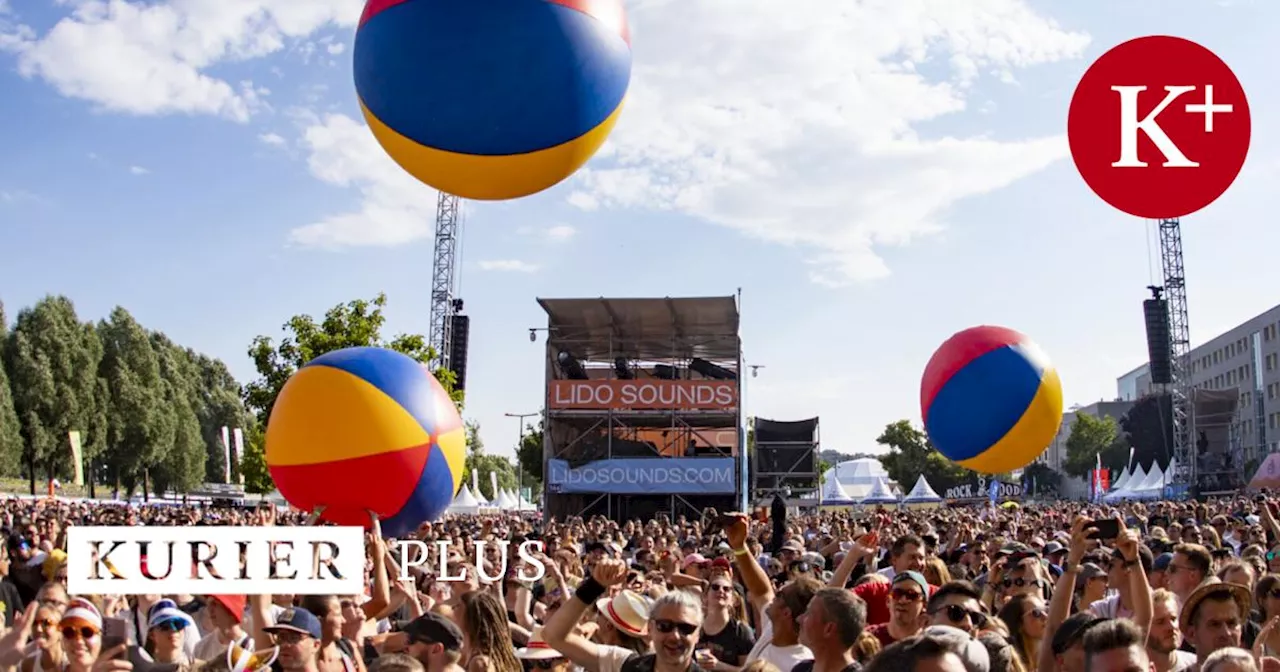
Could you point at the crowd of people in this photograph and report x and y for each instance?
(1057, 587)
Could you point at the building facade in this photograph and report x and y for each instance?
(1245, 359)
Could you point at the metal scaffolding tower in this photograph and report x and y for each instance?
(444, 276)
(1175, 291)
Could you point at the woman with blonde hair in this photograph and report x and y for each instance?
(46, 641)
(936, 572)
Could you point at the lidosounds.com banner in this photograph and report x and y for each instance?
(646, 476)
(149, 560)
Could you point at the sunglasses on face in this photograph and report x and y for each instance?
(906, 595)
(667, 626)
(957, 614)
(1038, 613)
(289, 637)
(79, 633)
(170, 626)
(1019, 582)
(721, 588)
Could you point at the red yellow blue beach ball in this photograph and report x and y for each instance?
(990, 399)
(492, 99)
(367, 429)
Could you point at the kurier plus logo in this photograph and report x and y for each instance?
(1159, 127)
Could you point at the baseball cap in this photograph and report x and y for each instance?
(913, 576)
(1072, 631)
(1162, 562)
(1091, 571)
(432, 628)
(1054, 547)
(297, 619)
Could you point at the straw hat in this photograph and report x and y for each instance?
(627, 611)
(537, 648)
(1214, 586)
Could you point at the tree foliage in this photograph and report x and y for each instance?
(529, 457)
(148, 411)
(1091, 437)
(911, 455)
(483, 464)
(353, 324)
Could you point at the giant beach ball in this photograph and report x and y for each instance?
(990, 400)
(367, 429)
(492, 99)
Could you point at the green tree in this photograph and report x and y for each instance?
(140, 428)
(354, 324)
(529, 457)
(484, 463)
(183, 467)
(218, 403)
(52, 366)
(1089, 438)
(257, 477)
(10, 437)
(1046, 481)
(912, 455)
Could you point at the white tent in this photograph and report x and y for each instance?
(858, 477)
(833, 493)
(922, 492)
(880, 493)
(1152, 486)
(1139, 474)
(1118, 484)
(465, 503)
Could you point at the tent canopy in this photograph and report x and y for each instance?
(922, 492)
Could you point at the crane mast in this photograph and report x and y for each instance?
(444, 278)
(1180, 390)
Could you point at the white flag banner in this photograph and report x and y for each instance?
(239, 439)
(226, 454)
(493, 481)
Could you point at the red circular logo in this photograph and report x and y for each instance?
(1159, 127)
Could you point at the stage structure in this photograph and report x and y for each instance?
(786, 459)
(642, 408)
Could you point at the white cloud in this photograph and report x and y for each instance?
(138, 170)
(337, 48)
(146, 58)
(794, 124)
(560, 232)
(509, 265)
(797, 123)
(273, 139)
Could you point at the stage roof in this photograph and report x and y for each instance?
(645, 329)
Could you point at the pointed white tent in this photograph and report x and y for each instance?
(833, 493)
(880, 494)
(1136, 478)
(1119, 482)
(922, 492)
(857, 477)
(503, 500)
(465, 503)
(1152, 486)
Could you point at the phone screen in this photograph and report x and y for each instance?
(115, 631)
(1104, 529)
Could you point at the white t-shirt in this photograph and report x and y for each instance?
(782, 657)
(610, 658)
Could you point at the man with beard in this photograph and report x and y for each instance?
(830, 628)
(1165, 637)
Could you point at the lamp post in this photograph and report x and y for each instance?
(519, 444)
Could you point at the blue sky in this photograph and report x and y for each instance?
(873, 179)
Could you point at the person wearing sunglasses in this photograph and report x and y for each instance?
(45, 649)
(671, 627)
(166, 631)
(959, 605)
(80, 630)
(908, 595)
